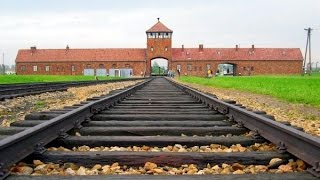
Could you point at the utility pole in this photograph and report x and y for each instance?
(308, 48)
(4, 68)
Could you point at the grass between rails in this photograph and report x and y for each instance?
(11, 79)
(294, 88)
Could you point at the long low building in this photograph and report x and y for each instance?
(189, 61)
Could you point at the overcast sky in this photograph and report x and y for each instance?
(120, 23)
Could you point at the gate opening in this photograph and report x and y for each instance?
(159, 67)
(226, 69)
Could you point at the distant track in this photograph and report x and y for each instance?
(155, 113)
(9, 91)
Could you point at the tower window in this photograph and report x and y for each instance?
(189, 67)
(166, 48)
(179, 66)
(23, 68)
(208, 66)
(47, 68)
(151, 49)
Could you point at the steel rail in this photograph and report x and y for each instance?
(302, 145)
(33, 140)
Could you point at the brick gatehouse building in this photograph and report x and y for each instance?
(190, 61)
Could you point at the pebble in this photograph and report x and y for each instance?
(274, 160)
(37, 162)
(22, 170)
(149, 166)
(152, 168)
(70, 171)
(176, 148)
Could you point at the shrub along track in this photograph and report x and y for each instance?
(154, 113)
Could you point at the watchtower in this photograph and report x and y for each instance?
(159, 44)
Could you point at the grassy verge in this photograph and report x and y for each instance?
(294, 89)
(11, 79)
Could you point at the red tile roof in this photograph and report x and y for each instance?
(63, 55)
(159, 27)
(240, 54)
(131, 54)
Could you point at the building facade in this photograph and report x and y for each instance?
(190, 61)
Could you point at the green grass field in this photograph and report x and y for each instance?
(294, 89)
(11, 79)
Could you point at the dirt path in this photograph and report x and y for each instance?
(12, 110)
(297, 114)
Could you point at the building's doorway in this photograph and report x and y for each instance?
(226, 69)
(159, 67)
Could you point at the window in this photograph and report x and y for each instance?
(35, 68)
(179, 66)
(151, 49)
(73, 68)
(252, 68)
(208, 66)
(62, 69)
(23, 68)
(166, 48)
(101, 66)
(47, 68)
(195, 68)
(189, 67)
(58, 69)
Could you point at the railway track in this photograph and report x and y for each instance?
(163, 128)
(9, 91)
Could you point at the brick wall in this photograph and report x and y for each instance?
(199, 68)
(158, 48)
(66, 68)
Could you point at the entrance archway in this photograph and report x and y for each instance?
(226, 69)
(159, 67)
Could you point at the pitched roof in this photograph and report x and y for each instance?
(239, 54)
(63, 55)
(159, 27)
(132, 54)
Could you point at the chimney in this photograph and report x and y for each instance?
(33, 49)
(182, 48)
(252, 46)
(237, 47)
(200, 47)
